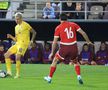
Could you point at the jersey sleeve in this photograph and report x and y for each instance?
(57, 32)
(28, 27)
(77, 27)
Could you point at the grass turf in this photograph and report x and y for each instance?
(95, 78)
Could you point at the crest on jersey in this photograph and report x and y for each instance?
(20, 50)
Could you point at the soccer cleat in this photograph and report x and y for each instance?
(9, 74)
(48, 79)
(80, 80)
(17, 76)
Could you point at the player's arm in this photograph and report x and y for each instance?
(54, 45)
(11, 37)
(84, 36)
(33, 35)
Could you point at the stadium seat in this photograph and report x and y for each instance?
(95, 12)
(40, 6)
(39, 15)
(95, 16)
(105, 16)
(28, 15)
(96, 9)
(31, 6)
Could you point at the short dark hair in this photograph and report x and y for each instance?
(63, 17)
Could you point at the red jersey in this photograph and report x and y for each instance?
(66, 31)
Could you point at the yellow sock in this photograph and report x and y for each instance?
(18, 64)
(8, 65)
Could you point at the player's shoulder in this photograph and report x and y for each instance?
(16, 26)
(73, 23)
(25, 23)
(58, 27)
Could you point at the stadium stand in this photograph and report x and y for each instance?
(33, 9)
(13, 8)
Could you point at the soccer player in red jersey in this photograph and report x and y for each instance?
(66, 31)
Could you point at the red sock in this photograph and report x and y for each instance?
(77, 69)
(52, 70)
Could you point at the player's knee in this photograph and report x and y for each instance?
(56, 60)
(6, 55)
(54, 63)
(18, 57)
(75, 62)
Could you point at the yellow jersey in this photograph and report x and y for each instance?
(22, 33)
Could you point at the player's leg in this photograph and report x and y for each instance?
(93, 63)
(7, 55)
(8, 62)
(53, 67)
(78, 71)
(58, 56)
(74, 56)
(18, 65)
(52, 70)
(21, 49)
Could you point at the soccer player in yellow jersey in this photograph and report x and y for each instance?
(22, 39)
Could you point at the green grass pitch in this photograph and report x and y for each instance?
(95, 78)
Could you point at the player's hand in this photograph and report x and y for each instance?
(51, 56)
(9, 35)
(31, 43)
(90, 43)
(44, 16)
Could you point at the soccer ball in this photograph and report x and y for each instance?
(2, 74)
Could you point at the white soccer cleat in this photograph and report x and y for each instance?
(9, 74)
(17, 76)
(79, 79)
(48, 79)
